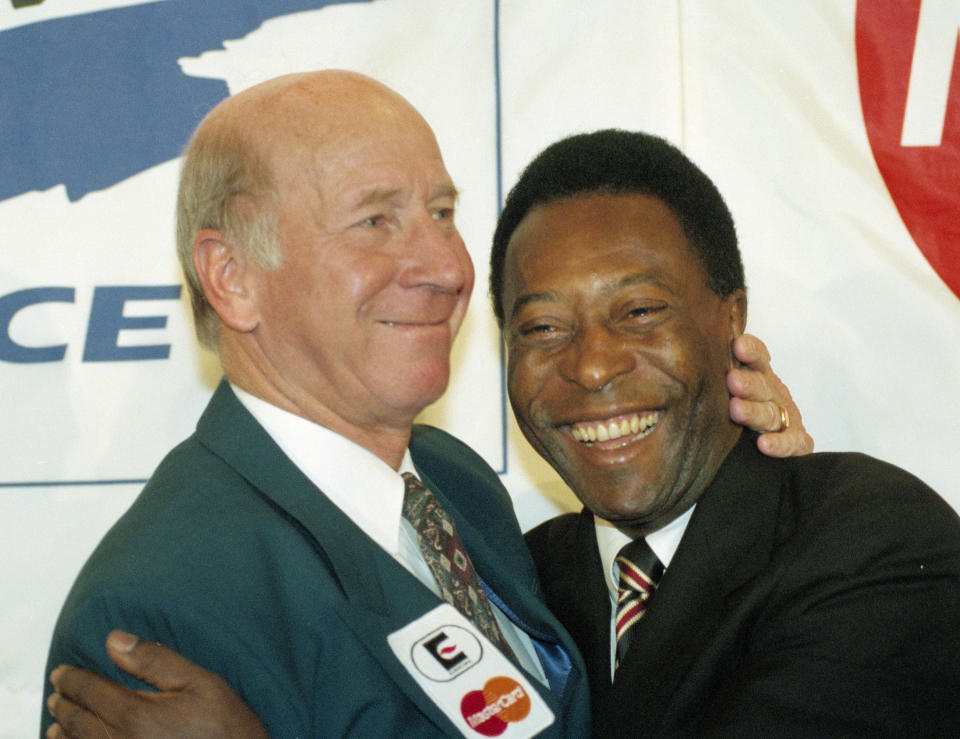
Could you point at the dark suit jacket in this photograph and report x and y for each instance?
(817, 596)
(232, 557)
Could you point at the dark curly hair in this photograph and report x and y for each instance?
(621, 162)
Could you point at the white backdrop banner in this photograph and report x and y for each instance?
(831, 126)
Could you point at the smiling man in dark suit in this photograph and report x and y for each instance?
(814, 596)
(316, 232)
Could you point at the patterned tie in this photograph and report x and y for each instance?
(448, 560)
(640, 571)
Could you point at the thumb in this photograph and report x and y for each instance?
(151, 662)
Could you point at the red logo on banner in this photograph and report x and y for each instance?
(909, 70)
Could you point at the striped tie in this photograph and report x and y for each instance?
(640, 571)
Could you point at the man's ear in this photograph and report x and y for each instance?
(227, 274)
(736, 303)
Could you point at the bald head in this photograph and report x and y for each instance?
(299, 110)
(229, 177)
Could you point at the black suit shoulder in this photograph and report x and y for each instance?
(860, 597)
(550, 536)
(829, 484)
(847, 512)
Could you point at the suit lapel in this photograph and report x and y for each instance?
(381, 596)
(728, 541)
(483, 512)
(513, 587)
(382, 599)
(509, 586)
(590, 600)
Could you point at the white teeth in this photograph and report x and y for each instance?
(614, 431)
(634, 425)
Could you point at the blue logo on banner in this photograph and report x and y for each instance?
(90, 100)
(107, 320)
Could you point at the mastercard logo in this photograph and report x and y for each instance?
(501, 702)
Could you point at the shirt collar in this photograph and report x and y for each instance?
(356, 480)
(610, 540)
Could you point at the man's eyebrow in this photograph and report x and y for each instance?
(642, 278)
(446, 190)
(378, 195)
(374, 196)
(524, 300)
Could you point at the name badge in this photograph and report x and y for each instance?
(469, 679)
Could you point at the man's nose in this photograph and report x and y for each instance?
(438, 256)
(595, 357)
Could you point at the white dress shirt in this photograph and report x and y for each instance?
(370, 493)
(610, 540)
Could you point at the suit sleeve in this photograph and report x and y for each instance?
(203, 637)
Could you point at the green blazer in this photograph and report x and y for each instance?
(231, 556)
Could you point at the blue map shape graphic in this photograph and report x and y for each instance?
(89, 100)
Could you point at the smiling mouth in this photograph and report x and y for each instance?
(415, 324)
(637, 425)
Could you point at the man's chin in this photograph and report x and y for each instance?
(422, 389)
(611, 498)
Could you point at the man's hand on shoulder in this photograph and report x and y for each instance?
(192, 702)
(762, 402)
